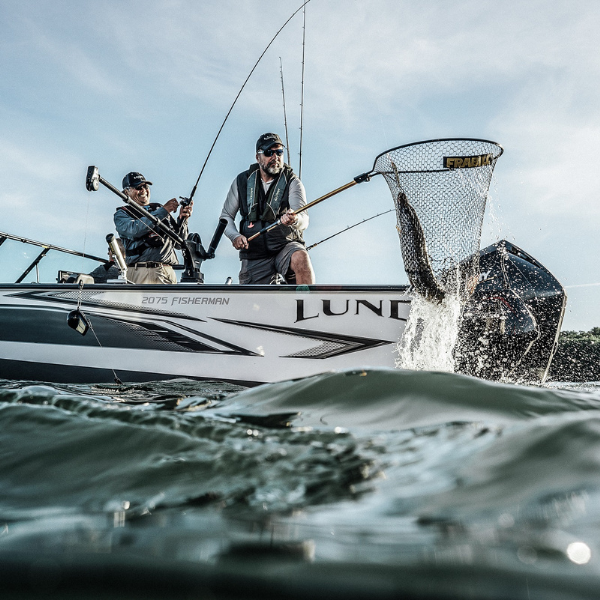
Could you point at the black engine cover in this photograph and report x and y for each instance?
(510, 325)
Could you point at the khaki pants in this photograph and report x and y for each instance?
(160, 274)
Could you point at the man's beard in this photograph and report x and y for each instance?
(273, 169)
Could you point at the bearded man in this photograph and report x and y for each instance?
(269, 190)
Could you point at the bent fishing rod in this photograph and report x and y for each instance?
(191, 196)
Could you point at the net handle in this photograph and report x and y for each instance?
(356, 180)
(369, 174)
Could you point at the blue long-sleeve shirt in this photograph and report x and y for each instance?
(134, 233)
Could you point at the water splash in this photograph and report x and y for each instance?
(432, 329)
(430, 335)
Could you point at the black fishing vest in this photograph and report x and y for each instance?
(259, 210)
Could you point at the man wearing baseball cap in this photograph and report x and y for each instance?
(269, 190)
(149, 254)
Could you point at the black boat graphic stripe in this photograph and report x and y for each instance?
(331, 344)
(41, 325)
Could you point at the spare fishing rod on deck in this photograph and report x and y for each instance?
(191, 247)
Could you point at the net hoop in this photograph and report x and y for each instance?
(374, 170)
(440, 190)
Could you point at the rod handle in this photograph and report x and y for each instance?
(265, 229)
(216, 238)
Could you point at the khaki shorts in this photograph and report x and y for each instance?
(160, 274)
(265, 270)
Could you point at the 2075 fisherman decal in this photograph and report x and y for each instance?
(467, 162)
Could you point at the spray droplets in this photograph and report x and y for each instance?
(430, 335)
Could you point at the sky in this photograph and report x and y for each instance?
(132, 85)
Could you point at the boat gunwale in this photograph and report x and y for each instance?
(209, 287)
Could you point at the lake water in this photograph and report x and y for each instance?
(351, 484)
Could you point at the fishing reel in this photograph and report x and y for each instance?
(184, 201)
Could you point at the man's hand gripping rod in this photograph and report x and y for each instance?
(91, 183)
(359, 179)
(192, 249)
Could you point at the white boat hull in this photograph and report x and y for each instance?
(241, 334)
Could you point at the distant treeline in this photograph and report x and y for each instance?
(577, 357)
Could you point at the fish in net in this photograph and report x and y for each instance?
(440, 189)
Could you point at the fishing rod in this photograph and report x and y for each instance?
(302, 91)
(191, 247)
(350, 227)
(287, 140)
(188, 200)
(191, 244)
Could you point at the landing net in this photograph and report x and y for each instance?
(445, 185)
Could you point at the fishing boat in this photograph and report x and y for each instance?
(251, 334)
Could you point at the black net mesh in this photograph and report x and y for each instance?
(440, 189)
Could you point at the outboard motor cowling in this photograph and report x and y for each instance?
(510, 325)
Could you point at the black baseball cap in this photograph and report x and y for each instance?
(134, 179)
(266, 140)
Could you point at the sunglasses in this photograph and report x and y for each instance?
(269, 153)
(144, 186)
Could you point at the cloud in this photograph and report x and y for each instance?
(23, 163)
(49, 45)
(148, 82)
(552, 144)
(400, 53)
